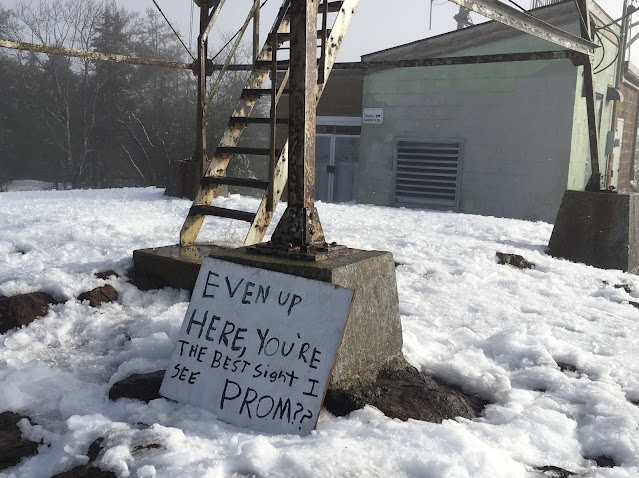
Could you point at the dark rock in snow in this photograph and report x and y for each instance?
(566, 367)
(406, 394)
(23, 309)
(604, 461)
(88, 470)
(144, 282)
(94, 449)
(12, 447)
(514, 260)
(555, 472)
(625, 287)
(106, 274)
(145, 387)
(100, 295)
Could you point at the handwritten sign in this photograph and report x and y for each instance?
(257, 347)
(373, 116)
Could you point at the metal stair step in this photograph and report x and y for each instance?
(211, 181)
(221, 212)
(286, 36)
(281, 65)
(222, 150)
(255, 120)
(332, 6)
(260, 92)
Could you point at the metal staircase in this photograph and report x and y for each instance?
(267, 64)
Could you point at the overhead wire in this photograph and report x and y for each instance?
(628, 13)
(616, 55)
(603, 50)
(518, 6)
(191, 28)
(175, 32)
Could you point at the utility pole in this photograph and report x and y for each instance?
(619, 73)
(623, 42)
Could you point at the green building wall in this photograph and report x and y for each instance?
(520, 125)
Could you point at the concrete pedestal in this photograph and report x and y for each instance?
(184, 179)
(373, 337)
(599, 229)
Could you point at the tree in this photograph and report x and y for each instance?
(114, 99)
(159, 122)
(58, 91)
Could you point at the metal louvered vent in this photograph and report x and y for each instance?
(427, 173)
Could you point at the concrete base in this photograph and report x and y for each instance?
(599, 229)
(184, 179)
(373, 337)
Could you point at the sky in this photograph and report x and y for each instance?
(377, 25)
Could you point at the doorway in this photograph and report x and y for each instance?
(337, 161)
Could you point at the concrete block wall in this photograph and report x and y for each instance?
(523, 125)
(514, 121)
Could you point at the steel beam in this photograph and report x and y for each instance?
(92, 55)
(574, 57)
(594, 183)
(204, 35)
(496, 10)
(300, 225)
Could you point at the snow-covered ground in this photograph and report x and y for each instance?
(494, 330)
(28, 185)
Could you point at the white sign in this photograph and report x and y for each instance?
(257, 347)
(373, 116)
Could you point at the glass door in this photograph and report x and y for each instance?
(336, 164)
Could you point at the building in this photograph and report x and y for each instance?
(500, 139)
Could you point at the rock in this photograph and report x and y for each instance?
(144, 282)
(106, 274)
(625, 287)
(406, 394)
(555, 472)
(86, 472)
(94, 449)
(100, 295)
(23, 309)
(566, 367)
(605, 461)
(12, 447)
(145, 387)
(514, 260)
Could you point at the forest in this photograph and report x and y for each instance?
(80, 123)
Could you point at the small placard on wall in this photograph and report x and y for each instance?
(257, 347)
(373, 116)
